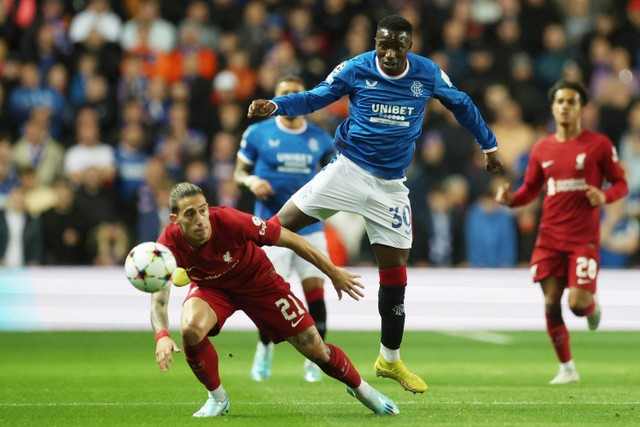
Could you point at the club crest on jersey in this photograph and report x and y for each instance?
(274, 143)
(580, 161)
(313, 144)
(227, 257)
(335, 71)
(370, 84)
(417, 89)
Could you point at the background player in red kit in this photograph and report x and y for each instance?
(217, 251)
(572, 164)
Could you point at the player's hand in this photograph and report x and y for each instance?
(164, 347)
(596, 196)
(504, 195)
(493, 163)
(261, 107)
(344, 281)
(261, 188)
(179, 277)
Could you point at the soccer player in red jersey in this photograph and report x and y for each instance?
(572, 165)
(218, 253)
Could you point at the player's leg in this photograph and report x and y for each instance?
(198, 320)
(393, 283)
(312, 280)
(335, 363)
(583, 276)
(279, 313)
(282, 259)
(553, 288)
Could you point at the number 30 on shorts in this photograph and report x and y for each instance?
(586, 268)
(401, 218)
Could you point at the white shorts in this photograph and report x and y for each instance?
(344, 186)
(286, 262)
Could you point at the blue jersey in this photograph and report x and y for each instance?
(287, 158)
(386, 112)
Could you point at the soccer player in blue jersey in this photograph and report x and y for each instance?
(388, 89)
(276, 158)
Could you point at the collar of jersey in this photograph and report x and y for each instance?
(283, 128)
(387, 76)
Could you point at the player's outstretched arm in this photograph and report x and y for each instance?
(343, 281)
(160, 323)
(261, 107)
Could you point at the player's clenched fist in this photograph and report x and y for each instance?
(261, 107)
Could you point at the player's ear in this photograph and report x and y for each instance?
(173, 218)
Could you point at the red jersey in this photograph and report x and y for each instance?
(566, 169)
(232, 258)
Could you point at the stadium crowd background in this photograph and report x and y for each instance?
(104, 105)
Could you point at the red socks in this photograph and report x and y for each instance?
(341, 368)
(559, 336)
(203, 360)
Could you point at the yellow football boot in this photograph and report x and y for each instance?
(397, 371)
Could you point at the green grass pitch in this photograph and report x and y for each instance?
(111, 379)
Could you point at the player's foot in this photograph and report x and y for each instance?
(397, 371)
(377, 402)
(213, 408)
(566, 376)
(594, 320)
(261, 369)
(312, 372)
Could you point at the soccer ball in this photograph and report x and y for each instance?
(149, 266)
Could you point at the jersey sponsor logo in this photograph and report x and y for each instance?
(273, 143)
(335, 71)
(295, 323)
(565, 185)
(580, 161)
(417, 89)
(295, 162)
(446, 78)
(370, 84)
(547, 164)
(395, 115)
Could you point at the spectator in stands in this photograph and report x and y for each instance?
(32, 94)
(97, 16)
(148, 30)
(89, 151)
(619, 234)
(38, 150)
(108, 239)
(65, 229)
(152, 201)
(490, 231)
(8, 173)
(21, 236)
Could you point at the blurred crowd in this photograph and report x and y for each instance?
(105, 104)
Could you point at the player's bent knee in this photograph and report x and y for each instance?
(193, 331)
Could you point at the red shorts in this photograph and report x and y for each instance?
(268, 302)
(578, 267)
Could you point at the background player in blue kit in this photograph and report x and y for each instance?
(276, 158)
(388, 89)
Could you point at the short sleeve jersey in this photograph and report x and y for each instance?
(566, 169)
(286, 158)
(232, 257)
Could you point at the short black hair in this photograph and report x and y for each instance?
(182, 191)
(395, 23)
(567, 84)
